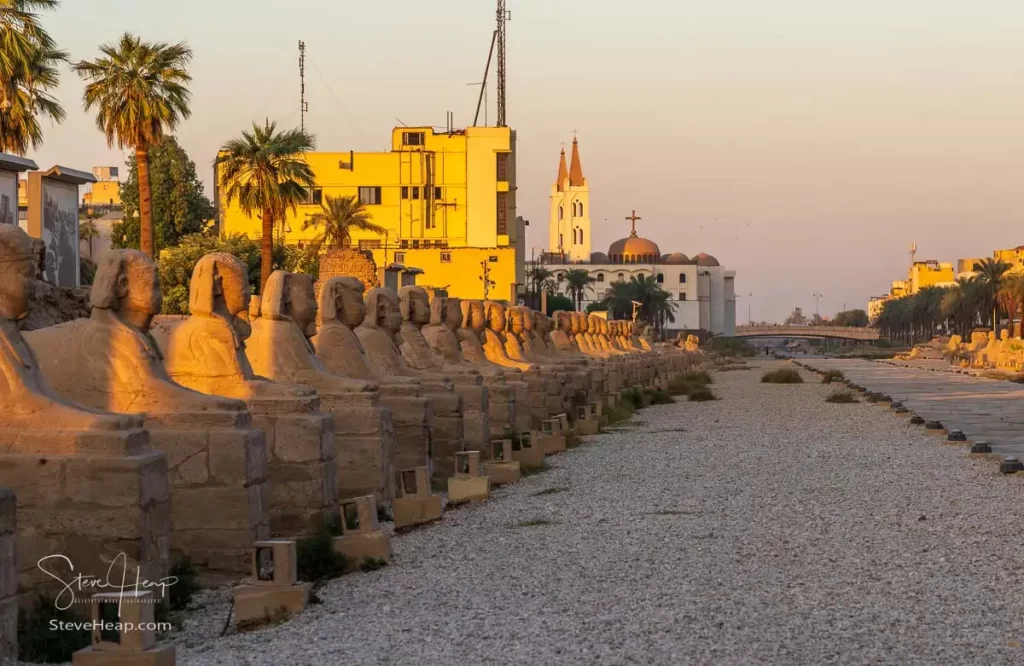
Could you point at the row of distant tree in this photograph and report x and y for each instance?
(139, 93)
(844, 318)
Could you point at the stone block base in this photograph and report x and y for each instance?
(410, 511)
(158, 656)
(531, 458)
(255, 604)
(587, 427)
(468, 489)
(501, 473)
(476, 427)
(550, 444)
(358, 547)
(447, 439)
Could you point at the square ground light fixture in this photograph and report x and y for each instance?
(112, 611)
(274, 562)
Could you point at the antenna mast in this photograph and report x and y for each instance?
(303, 106)
(503, 17)
(913, 252)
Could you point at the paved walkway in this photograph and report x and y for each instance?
(985, 409)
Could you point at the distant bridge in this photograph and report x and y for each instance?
(782, 331)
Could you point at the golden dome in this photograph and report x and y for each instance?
(704, 259)
(634, 249)
(675, 258)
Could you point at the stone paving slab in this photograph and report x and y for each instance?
(985, 409)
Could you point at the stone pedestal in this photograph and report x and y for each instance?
(501, 466)
(527, 451)
(551, 439)
(8, 578)
(414, 504)
(122, 631)
(361, 537)
(275, 593)
(160, 656)
(467, 485)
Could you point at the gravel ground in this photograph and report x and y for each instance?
(766, 527)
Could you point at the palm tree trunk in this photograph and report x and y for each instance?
(266, 248)
(146, 243)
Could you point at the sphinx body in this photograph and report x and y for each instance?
(88, 482)
(279, 349)
(217, 458)
(206, 352)
(415, 307)
(441, 338)
(380, 335)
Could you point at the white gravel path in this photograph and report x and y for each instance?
(765, 528)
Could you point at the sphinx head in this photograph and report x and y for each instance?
(1004, 334)
(127, 283)
(220, 287)
(341, 300)
(541, 323)
(382, 310)
(291, 297)
(17, 272)
(474, 315)
(494, 312)
(562, 321)
(528, 321)
(452, 313)
(439, 311)
(516, 319)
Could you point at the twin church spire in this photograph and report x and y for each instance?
(569, 225)
(574, 173)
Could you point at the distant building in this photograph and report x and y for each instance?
(920, 275)
(106, 191)
(703, 291)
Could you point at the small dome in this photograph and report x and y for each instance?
(598, 258)
(634, 249)
(675, 258)
(704, 259)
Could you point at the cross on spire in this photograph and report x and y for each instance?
(633, 218)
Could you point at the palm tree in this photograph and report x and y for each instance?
(265, 171)
(655, 303)
(991, 273)
(30, 100)
(1011, 296)
(542, 280)
(340, 216)
(21, 38)
(139, 91)
(87, 231)
(577, 282)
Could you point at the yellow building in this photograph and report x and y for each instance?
(1013, 256)
(446, 199)
(106, 191)
(929, 273)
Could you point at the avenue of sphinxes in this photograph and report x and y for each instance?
(201, 435)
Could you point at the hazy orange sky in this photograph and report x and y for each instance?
(804, 143)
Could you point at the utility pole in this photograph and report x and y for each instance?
(816, 297)
(303, 107)
(750, 296)
(503, 17)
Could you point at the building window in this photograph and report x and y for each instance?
(493, 258)
(560, 244)
(581, 209)
(622, 277)
(369, 244)
(661, 278)
(682, 296)
(412, 138)
(437, 193)
(415, 192)
(415, 244)
(369, 196)
(600, 277)
(561, 276)
(502, 213)
(399, 257)
(561, 213)
(405, 192)
(502, 166)
(682, 278)
(315, 196)
(446, 257)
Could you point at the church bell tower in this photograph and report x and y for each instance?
(569, 225)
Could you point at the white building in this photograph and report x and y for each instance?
(703, 291)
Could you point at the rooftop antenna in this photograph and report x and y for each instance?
(303, 106)
(483, 85)
(503, 17)
(913, 252)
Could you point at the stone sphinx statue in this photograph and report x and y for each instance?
(279, 349)
(441, 338)
(218, 459)
(88, 482)
(990, 353)
(1009, 356)
(414, 305)
(507, 329)
(380, 335)
(206, 352)
(340, 309)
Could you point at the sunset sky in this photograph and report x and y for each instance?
(803, 143)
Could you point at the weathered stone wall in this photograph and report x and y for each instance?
(8, 579)
(349, 262)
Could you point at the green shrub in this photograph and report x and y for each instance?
(621, 412)
(689, 382)
(659, 397)
(38, 642)
(782, 376)
(634, 398)
(316, 557)
(831, 376)
(702, 395)
(841, 397)
(179, 595)
(372, 564)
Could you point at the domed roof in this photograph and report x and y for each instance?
(598, 258)
(704, 259)
(675, 258)
(634, 247)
